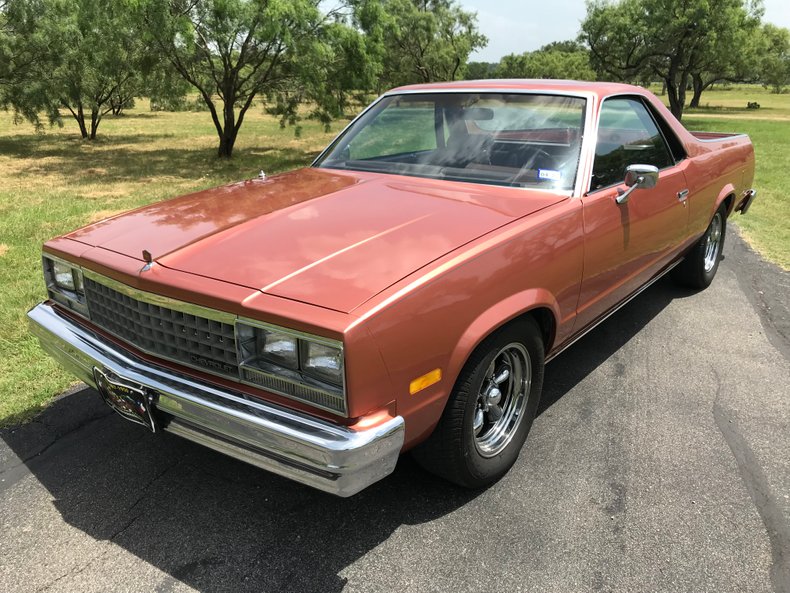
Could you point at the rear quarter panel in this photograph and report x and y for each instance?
(720, 165)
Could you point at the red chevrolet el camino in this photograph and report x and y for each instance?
(402, 293)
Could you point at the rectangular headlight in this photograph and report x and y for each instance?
(322, 362)
(292, 363)
(65, 276)
(260, 345)
(64, 284)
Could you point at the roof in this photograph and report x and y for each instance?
(521, 84)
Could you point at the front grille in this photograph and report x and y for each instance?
(182, 337)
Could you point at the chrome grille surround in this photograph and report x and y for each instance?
(184, 337)
(173, 330)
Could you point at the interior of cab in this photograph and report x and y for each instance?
(518, 139)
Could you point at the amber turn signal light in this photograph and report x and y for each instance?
(424, 381)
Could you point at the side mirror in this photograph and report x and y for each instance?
(637, 177)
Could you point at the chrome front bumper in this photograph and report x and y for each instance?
(309, 450)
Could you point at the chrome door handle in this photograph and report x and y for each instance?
(683, 195)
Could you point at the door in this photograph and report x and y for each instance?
(627, 244)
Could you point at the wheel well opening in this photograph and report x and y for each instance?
(728, 203)
(544, 317)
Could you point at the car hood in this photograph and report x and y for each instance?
(329, 238)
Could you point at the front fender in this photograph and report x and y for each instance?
(497, 316)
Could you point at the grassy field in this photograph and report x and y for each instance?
(53, 182)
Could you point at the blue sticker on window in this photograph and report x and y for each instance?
(550, 174)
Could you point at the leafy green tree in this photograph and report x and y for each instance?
(480, 70)
(418, 41)
(22, 46)
(730, 51)
(774, 71)
(636, 40)
(552, 61)
(234, 51)
(77, 56)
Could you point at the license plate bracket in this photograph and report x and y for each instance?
(130, 400)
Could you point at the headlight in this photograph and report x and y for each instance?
(64, 284)
(300, 366)
(322, 362)
(260, 346)
(66, 277)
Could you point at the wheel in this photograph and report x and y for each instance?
(700, 264)
(490, 410)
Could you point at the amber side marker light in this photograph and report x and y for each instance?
(426, 380)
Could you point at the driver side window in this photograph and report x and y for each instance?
(627, 135)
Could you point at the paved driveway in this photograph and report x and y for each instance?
(660, 462)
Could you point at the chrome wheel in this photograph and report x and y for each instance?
(501, 399)
(713, 242)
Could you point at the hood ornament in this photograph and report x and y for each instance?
(149, 261)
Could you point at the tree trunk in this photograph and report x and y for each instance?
(699, 86)
(95, 120)
(226, 142)
(80, 117)
(675, 101)
(227, 137)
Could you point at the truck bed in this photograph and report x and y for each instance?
(709, 136)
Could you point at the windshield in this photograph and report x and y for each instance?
(520, 140)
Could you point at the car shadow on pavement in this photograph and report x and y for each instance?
(217, 524)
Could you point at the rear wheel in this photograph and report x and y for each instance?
(490, 410)
(701, 263)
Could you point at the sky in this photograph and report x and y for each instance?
(516, 26)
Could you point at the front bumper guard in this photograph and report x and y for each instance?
(332, 458)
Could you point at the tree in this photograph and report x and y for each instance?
(21, 43)
(419, 41)
(633, 40)
(480, 70)
(730, 51)
(81, 56)
(559, 60)
(234, 51)
(774, 71)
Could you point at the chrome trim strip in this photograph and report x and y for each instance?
(292, 332)
(727, 136)
(312, 451)
(159, 300)
(612, 311)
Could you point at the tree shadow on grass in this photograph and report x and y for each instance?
(117, 161)
(217, 524)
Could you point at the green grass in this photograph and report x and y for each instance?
(53, 182)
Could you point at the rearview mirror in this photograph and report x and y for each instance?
(478, 113)
(637, 177)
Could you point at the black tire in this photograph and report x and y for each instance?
(699, 267)
(475, 459)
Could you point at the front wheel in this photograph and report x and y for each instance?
(701, 263)
(490, 410)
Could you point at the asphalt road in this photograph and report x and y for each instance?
(660, 462)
